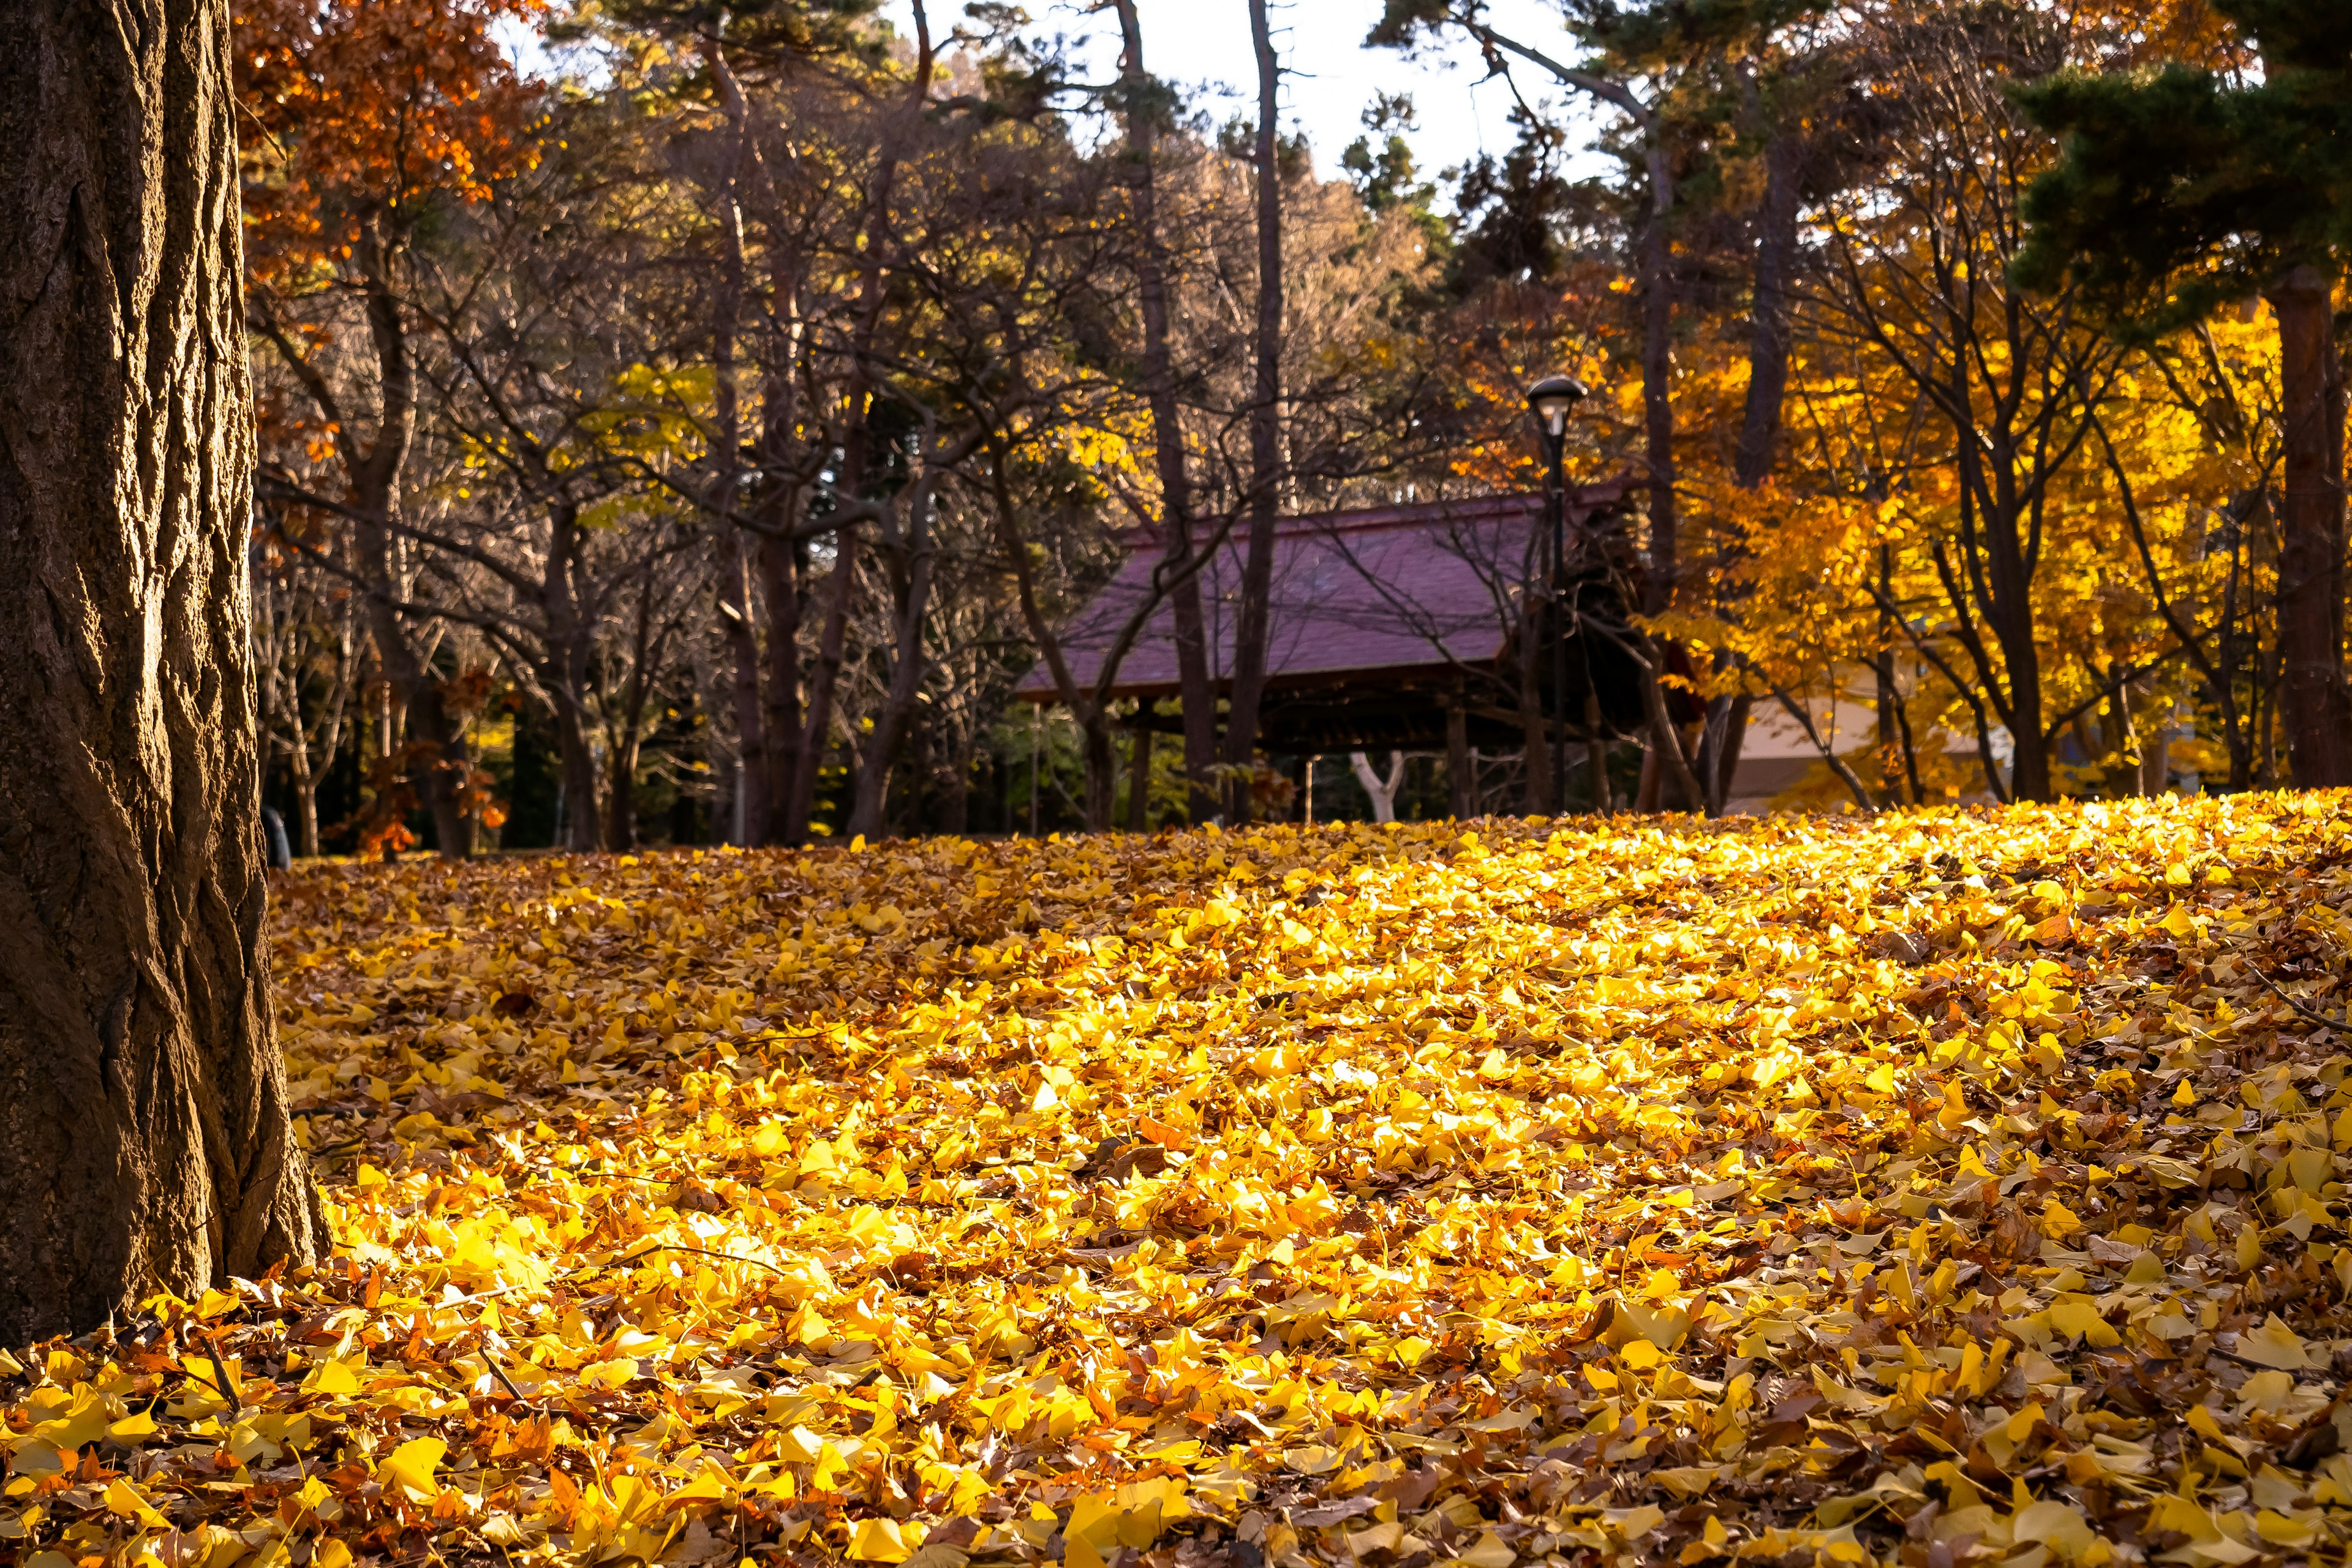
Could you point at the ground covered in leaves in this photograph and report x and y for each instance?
(1939, 1188)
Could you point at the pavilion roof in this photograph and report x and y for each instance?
(1382, 591)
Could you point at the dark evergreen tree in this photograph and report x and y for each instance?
(2187, 188)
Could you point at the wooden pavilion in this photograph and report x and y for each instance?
(1393, 627)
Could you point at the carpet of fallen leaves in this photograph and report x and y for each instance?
(1939, 1188)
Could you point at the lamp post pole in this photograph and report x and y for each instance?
(1549, 400)
(1558, 503)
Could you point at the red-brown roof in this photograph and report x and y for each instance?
(1386, 589)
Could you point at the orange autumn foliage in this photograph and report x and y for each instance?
(357, 109)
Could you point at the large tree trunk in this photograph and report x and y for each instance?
(2313, 699)
(1254, 620)
(144, 1143)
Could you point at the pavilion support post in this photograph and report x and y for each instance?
(1461, 780)
(1036, 762)
(1139, 778)
(1307, 793)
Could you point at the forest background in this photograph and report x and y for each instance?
(698, 442)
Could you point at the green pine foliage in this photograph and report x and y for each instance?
(2181, 189)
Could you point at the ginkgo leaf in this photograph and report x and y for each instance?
(411, 1465)
(123, 1499)
(885, 1541)
(2274, 1344)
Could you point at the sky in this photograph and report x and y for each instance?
(1206, 44)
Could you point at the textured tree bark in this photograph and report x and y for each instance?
(144, 1142)
(2314, 700)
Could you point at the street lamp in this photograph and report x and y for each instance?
(1549, 400)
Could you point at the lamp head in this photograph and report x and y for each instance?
(1552, 397)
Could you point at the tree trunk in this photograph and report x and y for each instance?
(954, 778)
(1735, 740)
(1767, 349)
(144, 1143)
(571, 645)
(1138, 783)
(1254, 620)
(1658, 424)
(1461, 784)
(1596, 753)
(1536, 757)
(854, 471)
(1666, 741)
(799, 806)
(437, 763)
(1382, 791)
(726, 445)
(2021, 650)
(907, 668)
(1657, 391)
(2156, 751)
(306, 802)
(780, 586)
(1102, 770)
(1713, 732)
(1194, 685)
(743, 671)
(1890, 749)
(581, 819)
(621, 798)
(782, 568)
(2314, 701)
